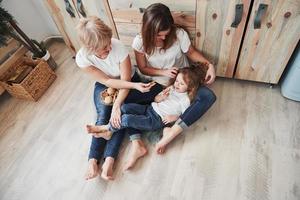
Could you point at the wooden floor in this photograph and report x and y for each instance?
(246, 147)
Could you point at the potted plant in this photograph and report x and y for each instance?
(9, 28)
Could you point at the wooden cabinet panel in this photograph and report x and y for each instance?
(64, 22)
(215, 36)
(266, 50)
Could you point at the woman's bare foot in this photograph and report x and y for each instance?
(168, 135)
(137, 151)
(96, 128)
(107, 169)
(99, 131)
(93, 169)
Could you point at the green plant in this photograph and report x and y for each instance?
(9, 28)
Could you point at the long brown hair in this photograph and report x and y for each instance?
(157, 17)
(194, 77)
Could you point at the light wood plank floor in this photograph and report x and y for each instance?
(246, 147)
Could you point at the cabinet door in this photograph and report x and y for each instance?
(99, 8)
(127, 15)
(219, 30)
(65, 22)
(271, 36)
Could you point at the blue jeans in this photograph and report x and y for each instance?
(204, 99)
(140, 117)
(110, 148)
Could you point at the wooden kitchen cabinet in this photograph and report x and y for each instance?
(272, 34)
(65, 21)
(219, 31)
(224, 32)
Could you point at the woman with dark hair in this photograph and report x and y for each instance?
(161, 49)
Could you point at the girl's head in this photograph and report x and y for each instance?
(190, 78)
(158, 28)
(95, 36)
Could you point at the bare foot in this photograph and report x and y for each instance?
(168, 135)
(99, 131)
(93, 169)
(96, 128)
(107, 169)
(137, 151)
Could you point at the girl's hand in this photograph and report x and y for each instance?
(115, 117)
(169, 119)
(144, 87)
(171, 73)
(210, 74)
(165, 93)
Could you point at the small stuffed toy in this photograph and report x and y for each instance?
(108, 96)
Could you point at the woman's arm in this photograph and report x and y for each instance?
(102, 78)
(196, 56)
(125, 71)
(151, 71)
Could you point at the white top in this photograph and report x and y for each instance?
(110, 65)
(175, 104)
(172, 57)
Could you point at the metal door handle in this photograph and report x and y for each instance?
(80, 8)
(238, 15)
(262, 9)
(69, 8)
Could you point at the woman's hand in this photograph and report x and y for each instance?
(115, 117)
(210, 74)
(144, 87)
(169, 119)
(171, 73)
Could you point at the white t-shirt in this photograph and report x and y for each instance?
(172, 57)
(175, 104)
(110, 65)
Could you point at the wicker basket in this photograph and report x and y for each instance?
(33, 86)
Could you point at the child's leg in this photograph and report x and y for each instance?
(169, 133)
(142, 117)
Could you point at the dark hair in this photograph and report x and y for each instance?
(194, 77)
(157, 17)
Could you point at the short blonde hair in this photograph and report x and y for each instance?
(93, 33)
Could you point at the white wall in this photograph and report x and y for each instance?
(33, 17)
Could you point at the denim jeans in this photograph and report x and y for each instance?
(110, 148)
(204, 99)
(140, 117)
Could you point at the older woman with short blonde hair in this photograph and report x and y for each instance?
(106, 60)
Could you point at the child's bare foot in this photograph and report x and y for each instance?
(106, 135)
(96, 128)
(137, 151)
(103, 133)
(107, 169)
(93, 169)
(168, 135)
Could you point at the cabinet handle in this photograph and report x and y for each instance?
(80, 8)
(69, 8)
(262, 9)
(238, 15)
